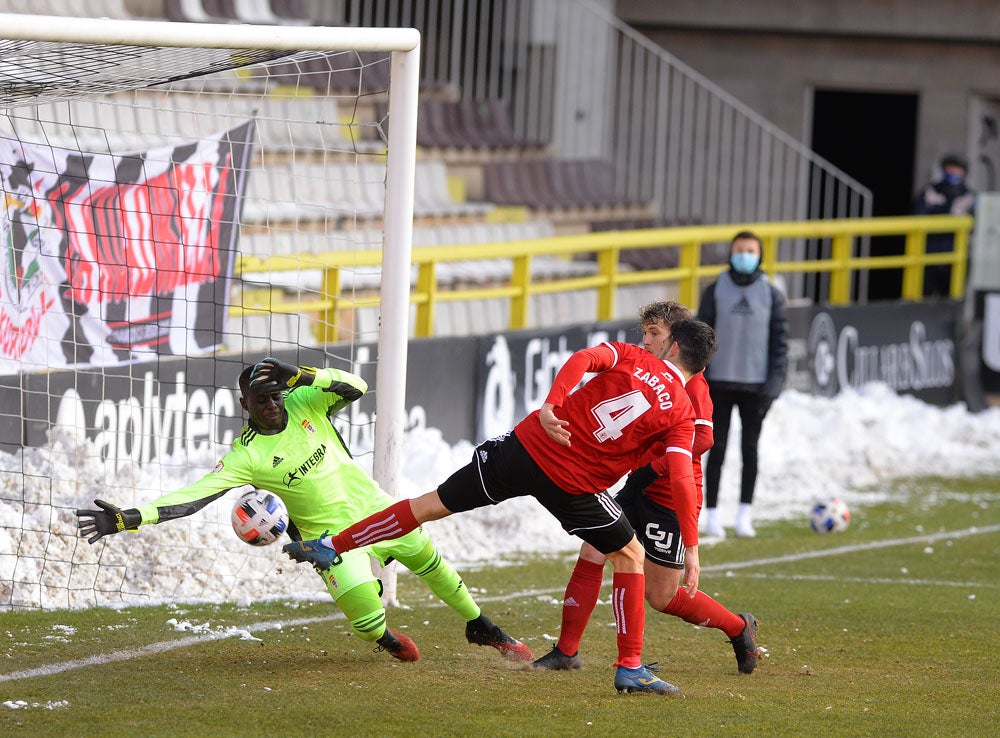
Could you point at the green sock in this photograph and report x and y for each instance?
(443, 581)
(364, 611)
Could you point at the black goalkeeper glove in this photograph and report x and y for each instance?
(107, 521)
(636, 484)
(270, 376)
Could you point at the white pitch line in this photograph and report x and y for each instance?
(922, 538)
(163, 646)
(871, 545)
(871, 580)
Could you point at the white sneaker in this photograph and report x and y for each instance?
(744, 529)
(744, 526)
(713, 527)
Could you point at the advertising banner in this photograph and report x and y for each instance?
(142, 412)
(111, 258)
(909, 346)
(469, 388)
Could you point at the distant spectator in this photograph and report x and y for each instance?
(948, 195)
(748, 371)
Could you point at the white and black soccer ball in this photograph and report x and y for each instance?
(830, 516)
(259, 517)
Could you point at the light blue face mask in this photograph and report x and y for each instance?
(744, 262)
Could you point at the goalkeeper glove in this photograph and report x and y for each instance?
(635, 485)
(270, 376)
(107, 521)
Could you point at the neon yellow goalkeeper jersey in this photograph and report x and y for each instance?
(307, 464)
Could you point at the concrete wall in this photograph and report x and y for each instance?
(955, 19)
(772, 55)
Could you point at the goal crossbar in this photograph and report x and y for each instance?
(122, 32)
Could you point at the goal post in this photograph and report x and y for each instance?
(391, 370)
(55, 66)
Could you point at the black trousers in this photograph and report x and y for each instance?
(752, 406)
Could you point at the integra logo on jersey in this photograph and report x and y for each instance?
(659, 384)
(294, 477)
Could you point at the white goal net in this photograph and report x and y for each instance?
(172, 193)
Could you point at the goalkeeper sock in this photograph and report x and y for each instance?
(364, 611)
(704, 611)
(443, 580)
(582, 592)
(627, 595)
(395, 521)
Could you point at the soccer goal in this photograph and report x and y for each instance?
(181, 200)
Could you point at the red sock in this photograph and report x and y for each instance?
(582, 591)
(704, 611)
(628, 593)
(395, 521)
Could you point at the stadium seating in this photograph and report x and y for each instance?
(302, 124)
(272, 12)
(659, 257)
(467, 124)
(557, 184)
(299, 194)
(346, 73)
(79, 8)
(286, 242)
(449, 274)
(433, 195)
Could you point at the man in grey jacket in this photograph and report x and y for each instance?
(748, 371)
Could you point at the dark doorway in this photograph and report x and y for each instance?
(872, 137)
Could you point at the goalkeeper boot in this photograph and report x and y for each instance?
(398, 645)
(314, 552)
(483, 632)
(642, 679)
(556, 660)
(745, 645)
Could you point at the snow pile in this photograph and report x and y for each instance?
(811, 447)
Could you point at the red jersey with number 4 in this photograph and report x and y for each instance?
(633, 403)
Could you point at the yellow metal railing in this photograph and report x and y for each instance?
(605, 247)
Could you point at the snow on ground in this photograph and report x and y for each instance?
(811, 447)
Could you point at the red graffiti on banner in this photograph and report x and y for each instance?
(137, 239)
(16, 340)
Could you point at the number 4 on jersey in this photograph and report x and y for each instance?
(614, 415)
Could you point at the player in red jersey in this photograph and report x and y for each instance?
(565, 455)
(666, 523)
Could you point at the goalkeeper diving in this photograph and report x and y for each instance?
(290, 447)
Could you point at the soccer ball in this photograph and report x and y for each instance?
(259, 517)
(830, 516)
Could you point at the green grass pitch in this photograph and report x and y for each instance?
(888, 629)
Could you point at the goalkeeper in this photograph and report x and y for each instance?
(290, 447)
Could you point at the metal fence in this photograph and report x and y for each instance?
(573, 74)
(600, 293)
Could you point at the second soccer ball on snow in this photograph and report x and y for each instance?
(830, 516)
(259, 517)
